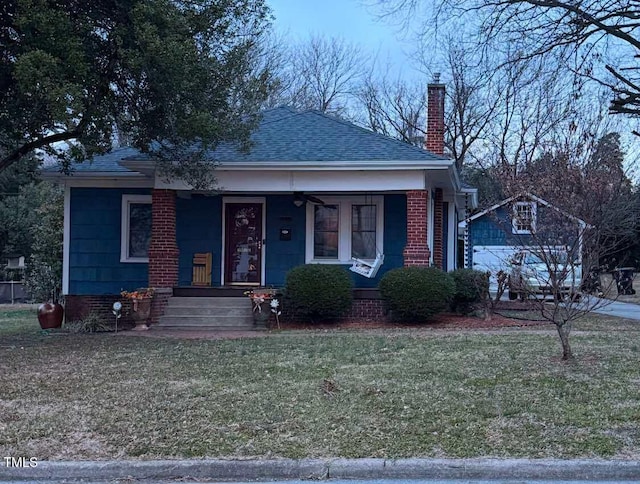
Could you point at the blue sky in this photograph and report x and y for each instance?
(347, 19)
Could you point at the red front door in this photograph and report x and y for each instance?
(243, 243)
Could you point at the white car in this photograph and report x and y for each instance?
(547, 273)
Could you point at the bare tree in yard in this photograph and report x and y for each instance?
(559, 252)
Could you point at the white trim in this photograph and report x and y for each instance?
(128, 199)
(452, 237)
(263, 258)
(344, 231)
(531, 197)
(374, 165)
(430, 223)
(515, 219)
(66, 240)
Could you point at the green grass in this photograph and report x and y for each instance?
(350, 394)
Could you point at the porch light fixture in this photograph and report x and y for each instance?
(299, 199)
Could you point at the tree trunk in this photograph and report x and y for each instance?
(563, 332)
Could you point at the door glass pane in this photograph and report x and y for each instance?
(244, 236)
(363, 231)
(139, 229)
(325, 236)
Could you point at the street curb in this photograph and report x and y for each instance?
(316, 469)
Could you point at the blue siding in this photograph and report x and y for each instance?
(95, 266)
(199, 229)
(495, 229)
(282, 255)
(94, 255)
(395, 239)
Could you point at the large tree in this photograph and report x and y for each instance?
(594, 38)
(167, 72)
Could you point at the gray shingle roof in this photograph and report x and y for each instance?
(285, 135)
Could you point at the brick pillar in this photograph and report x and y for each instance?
(434, 140)
(438, 229)
(416, 252)
(163, 252)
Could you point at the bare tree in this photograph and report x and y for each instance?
(321, 73)
(395, 108)
(596, 39)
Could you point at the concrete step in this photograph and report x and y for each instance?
(200, 327)
(204, 320)
(208, 311)
(213, 302)
(208, 314)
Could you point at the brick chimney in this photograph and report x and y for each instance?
(434, 141)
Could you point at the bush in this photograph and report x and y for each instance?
(471, 287)
(319, 292)
(415, 294)
(91, 323)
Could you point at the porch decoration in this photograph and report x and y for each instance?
(264, 303)
(367, 269)
(140, 306)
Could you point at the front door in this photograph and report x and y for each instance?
(243, 243)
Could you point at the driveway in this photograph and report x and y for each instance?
(619, 309)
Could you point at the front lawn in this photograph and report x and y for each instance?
(408, 392)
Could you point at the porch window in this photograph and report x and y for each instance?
(344, 228)
(524, 218)
(135, 228)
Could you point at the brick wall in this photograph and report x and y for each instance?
(416, 252)
(434, 140)
(79, 307)
(163, 252)
(438, 229)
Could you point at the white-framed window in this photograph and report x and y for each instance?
(135, 228)
(344, 228)
(524, 218)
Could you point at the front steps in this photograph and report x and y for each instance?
(207, 314)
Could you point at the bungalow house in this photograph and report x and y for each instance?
(313, 189)
(492, 236)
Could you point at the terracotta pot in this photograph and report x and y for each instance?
(50, 315)
(140, 312)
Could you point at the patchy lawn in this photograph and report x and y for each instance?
(401, 393)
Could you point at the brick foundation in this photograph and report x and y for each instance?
(79, 307)
(159, 303)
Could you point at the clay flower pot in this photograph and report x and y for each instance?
(50, 315)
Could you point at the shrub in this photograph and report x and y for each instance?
(415, 294)
(319, 292)
(471, 287)
(91, 323)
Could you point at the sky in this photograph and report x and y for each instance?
(347, 19)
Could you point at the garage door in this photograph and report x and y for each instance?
(493, 259)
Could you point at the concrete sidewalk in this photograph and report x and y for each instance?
(316, 469)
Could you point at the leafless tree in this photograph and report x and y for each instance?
(596, 39)
(320, 73)
(394, 108)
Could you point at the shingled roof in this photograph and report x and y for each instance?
(285, 135)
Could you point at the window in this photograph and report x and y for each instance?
(524, 218)
(344, 228)
(136, 228)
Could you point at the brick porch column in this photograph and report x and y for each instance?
(416, 252)
(438, 229)
(163, 251)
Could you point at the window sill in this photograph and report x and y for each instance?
(135, 260)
